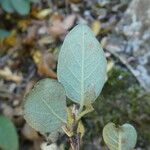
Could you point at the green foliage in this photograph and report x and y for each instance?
(121, 96)
(34, 1)
(7, 6)
(45, 106)
(82, 65)
(4, 33)
(120, 138)
(8, 135)
(82, 72)
(20, 6)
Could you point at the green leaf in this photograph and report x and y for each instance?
(7, 6)
(4, 33)
(21, 6)
(35, 1)
(8, 135)
(82, 65)
(45, 106)
(122, 138)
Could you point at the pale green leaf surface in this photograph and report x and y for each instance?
(21, 6)
(4, 33)
(34, 1)
(45, 106)
(122, 138)
(7, 6)
(82, 65)
(8, 135)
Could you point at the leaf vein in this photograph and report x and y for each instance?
(92, 72)
(53, 112)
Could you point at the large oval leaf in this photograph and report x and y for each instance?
(21, 6)
(45, 106)
(82, 65)
(8, 135)
(122, 138)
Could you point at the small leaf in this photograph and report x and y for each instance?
(45, 106)
(4, 33)
(122, 138)
(82, 65)
(70, 117)
(8, 135)
(81, 128)
(7, 6)
(21, 6)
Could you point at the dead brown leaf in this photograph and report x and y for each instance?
(31, 35)
(23, 24)
(69, 21)
(43, 13)
(45, 63)
(7, 74)
(59, 25)
(96, 27)
(12, 39)
(29, 133)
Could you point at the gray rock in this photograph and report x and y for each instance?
(131, 40)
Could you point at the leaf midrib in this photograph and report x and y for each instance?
(119, 141)
(82, 71)
(53, 112)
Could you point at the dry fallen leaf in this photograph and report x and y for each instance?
(7, 74)
(56, 27)
(23, 24)
(59, 25)
(31, 35)
(7, 110)
(43, 13)
(45, 63)
(36, 55)
(29, 133)
(12, 39)
(46, 40)
(69, 21)
(96, 27)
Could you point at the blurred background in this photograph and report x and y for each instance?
(31, 34)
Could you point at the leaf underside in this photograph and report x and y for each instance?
(8, 135)
(7, 6)
(21, 6)
(82, 65)
(45, 106)
(4, 33)
(121, 138)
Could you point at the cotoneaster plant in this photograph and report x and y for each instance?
(81, 74)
